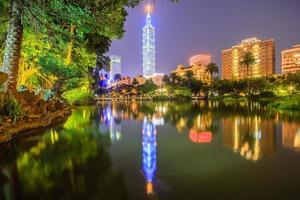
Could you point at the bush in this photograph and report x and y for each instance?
(79, 96)
(288, 103)
(267, 94)
(11, 108)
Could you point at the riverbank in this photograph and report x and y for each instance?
(288, 103)
(8, 129)
(26, 112)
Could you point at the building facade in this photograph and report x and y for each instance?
(263, 52)
(148, 48)
(291, 60)
(115, 66)
(157, 79)
(199, 72)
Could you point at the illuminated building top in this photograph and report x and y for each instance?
(148, 47)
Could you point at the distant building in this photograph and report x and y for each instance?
(263, 51)
(291, 60)
(140, 79)
(157, 79)
(115, 66)
(200, 59)
(103, 78)
(199, 72)
(148, 48)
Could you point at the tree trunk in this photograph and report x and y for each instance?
(58, 87)
(211, 83)
(13, 47)
(248, 84)
(70, 46)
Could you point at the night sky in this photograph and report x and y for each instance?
(206, 26)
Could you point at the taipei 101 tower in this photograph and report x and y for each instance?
(148, 46)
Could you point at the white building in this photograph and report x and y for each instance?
(115, 66)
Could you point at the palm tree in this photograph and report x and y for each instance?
(166, 79)
(247, 61)
(13, 45)
(117, 77)
(212, 69)
(189, 75)
(135, 82)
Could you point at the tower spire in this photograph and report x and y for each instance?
(148, 14)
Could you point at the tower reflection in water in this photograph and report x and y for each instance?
(149, 153)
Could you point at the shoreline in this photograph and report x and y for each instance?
(9, 133)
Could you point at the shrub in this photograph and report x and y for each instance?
(11, 108)
(79, 96)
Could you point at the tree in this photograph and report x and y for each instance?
(135, 82)
(212, 69)
(166, 79)
(196, 86)
(90, 18)
(174, 78)
(247, 61)
(147, 87)
(13, 46)
(189, 76)
(224, 86)
(65, 76)
(117, 77)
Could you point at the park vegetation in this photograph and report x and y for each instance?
(48, 49)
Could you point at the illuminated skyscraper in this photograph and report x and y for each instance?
(148, 48)
(115, 66)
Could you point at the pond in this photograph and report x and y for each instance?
(158, 150)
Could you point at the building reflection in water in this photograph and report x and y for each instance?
(291, 135)
(149, 153)
(110, 123)
(199, 132)
(251, 137)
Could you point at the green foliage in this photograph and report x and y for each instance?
(147, 87)
(78, 96)
(11, 108)
(182, 91)
(287, 103)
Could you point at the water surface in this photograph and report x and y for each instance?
(164, 150)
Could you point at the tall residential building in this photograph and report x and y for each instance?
(115, 66)
(148, 48)
(263, 52)
(291, 60)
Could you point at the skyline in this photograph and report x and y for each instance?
(176, 30)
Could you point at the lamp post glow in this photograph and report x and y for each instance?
(148, 46)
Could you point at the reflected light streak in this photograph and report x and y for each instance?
(149, 153)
